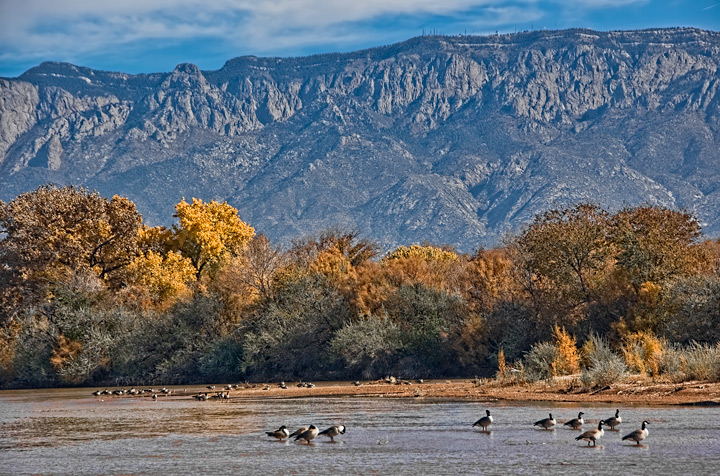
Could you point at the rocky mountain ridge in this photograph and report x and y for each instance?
(454, 140)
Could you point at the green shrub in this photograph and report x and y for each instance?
(538, 363)
(368, 347)
(604, 366)
(426, 318)
(289, 337)
(694, 311)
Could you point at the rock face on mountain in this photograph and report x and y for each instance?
(450, 140)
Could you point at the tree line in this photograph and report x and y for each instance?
(90, 295)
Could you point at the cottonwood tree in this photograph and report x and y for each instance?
(249, 278)
(656, 244)
(209, 233)
(569, 247)
(51, 231)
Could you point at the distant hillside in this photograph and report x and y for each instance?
(453, 140)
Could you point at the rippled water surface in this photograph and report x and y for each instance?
(71, 432)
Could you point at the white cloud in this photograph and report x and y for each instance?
(77, 27)
(70, 30)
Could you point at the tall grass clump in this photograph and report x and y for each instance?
(643, 352)
(603, 365)
(671, 363)
(692, 362)
(701, 362)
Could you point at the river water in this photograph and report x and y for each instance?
(70, 432)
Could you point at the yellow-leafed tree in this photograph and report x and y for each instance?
(209, 233)
(164, 277)
(428, 253)
(434, 267)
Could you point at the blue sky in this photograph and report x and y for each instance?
(138, 36)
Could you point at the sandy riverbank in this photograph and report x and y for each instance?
(632, 391)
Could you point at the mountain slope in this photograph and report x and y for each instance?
(453, 140)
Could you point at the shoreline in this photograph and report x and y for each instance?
(638, 391)
(635, 392)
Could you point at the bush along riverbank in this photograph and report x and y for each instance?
(89, 295)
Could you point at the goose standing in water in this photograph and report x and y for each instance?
(485, 421)
(593, 435)
(333, 431)
(308, 435)
(612, 422)
(546, 423)
(299, 431)
(576, 423)
(281, 433)
(638, 435)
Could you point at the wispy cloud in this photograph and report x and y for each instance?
(73, 29)
(78, 30)
(606, 3)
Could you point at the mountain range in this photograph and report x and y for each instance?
(454, 140)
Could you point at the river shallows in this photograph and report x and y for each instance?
(70, 432)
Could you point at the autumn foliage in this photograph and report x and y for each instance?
(89, 295)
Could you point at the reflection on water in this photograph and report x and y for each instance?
(70, 432)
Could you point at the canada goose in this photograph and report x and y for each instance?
(576, 423)
(308, 435)
(281, 433)
(333, 431)
(546, 423)
(638, 435)
(97, 393)
(485, 421)
(299, 431)
(593, 435)
(612, 422)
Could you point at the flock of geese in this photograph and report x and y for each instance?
(591, 436)
(307, 433)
